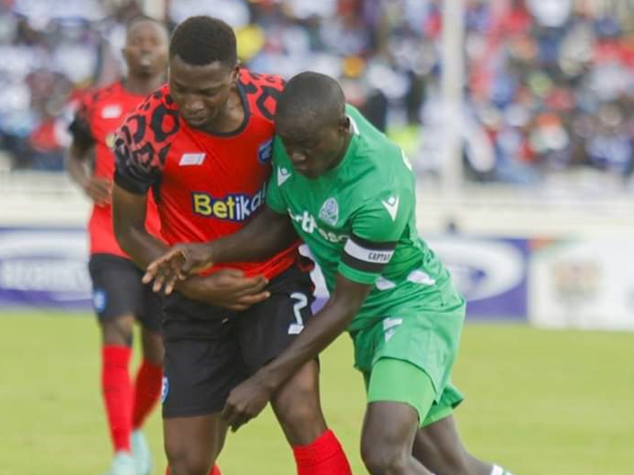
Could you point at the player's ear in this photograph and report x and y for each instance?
(235, 73)
(344, 123)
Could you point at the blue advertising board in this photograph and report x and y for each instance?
(44, 268)
(47, 267)
(492, 273)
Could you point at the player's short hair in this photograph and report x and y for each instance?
(202, 40)
(135, 20)
(311, 97)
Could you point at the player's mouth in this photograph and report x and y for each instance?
(195, 120)
(145, 61)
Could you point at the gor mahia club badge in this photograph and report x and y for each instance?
(329, 212)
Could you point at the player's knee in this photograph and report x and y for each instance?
(153, 350)
(385, 448)
(298, 400)
(298, 407)
(118, 331)
(384, 460)
(185, 462)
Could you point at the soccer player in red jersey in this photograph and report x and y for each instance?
(202, 144)
(118, 295)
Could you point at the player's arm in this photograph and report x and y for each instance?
(248, 399)
(78, 157)
(265, 235)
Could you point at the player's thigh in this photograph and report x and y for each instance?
(389, 429)
(399, 381)
(150, 318)
(202, 361)
(192, 444)
(266, 330)
(427, 340)
(269, 327)
(117, 295)
(150, 312)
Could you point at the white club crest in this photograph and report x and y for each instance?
(329, 212)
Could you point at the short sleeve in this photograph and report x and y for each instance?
(140, 158)
(376, 229)
(80, 128)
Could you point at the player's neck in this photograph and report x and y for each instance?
(143, 86)
(230, 117)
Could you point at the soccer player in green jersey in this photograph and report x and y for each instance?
(350, 195)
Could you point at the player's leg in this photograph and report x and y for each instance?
(202, 364)
(406, 362)
(147, 384)
(439, 447)
(399, 395)
(266, 330)
(297, 406)
(149, 375)
(192, 444)
(114, 302)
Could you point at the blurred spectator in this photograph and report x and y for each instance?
(549, 87)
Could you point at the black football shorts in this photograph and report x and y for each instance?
(209, 350)
(118, 290)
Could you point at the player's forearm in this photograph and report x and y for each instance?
(140, 245)
(318, 334)
(75, 165)
(267, 234)
(128, 219)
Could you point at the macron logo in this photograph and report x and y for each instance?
(189, 159)
(282, 175)
(391, 205)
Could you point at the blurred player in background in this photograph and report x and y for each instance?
(350, 195)
(202, 144)
(119, 297)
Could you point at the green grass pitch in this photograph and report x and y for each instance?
(555, 403)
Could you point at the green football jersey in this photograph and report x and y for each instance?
(358, 219)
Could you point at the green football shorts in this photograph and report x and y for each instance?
(409, 359)
(400, 381)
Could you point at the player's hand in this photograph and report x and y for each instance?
(99, 190)
(176, 264)
(245, 402)
(227, 288)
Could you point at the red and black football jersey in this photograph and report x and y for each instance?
(97, 119)
(207, 185)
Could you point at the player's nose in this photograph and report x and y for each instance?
(297, 157)
(193, 105)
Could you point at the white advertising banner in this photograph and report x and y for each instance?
(582, 283)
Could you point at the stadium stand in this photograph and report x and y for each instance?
(550, 89)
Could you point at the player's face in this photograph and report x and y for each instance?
(201, 92)
(145, 50)
(313, 150)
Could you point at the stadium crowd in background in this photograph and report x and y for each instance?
(550, 86)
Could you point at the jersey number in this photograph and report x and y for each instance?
(301, 302)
